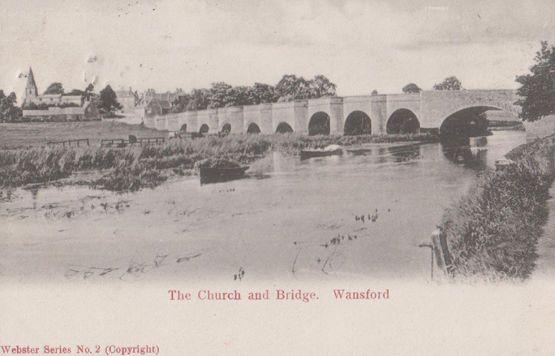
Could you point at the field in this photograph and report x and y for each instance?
(18, 135)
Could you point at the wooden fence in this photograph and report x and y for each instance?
(69, 143)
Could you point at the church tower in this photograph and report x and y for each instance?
(31, 91)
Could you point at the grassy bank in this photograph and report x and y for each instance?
(30, 134)
(134, 167)
(492, 232)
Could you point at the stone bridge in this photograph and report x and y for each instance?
(375, 114)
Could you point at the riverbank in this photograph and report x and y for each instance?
(134, 167)
(37, 134)
(492, 233)
(546, 245)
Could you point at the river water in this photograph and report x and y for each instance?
(289, 219)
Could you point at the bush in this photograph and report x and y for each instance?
(493, 231)
(131, 178)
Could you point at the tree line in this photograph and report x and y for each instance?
(289, 88)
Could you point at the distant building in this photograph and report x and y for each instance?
(167, 96)
(32, 96)
(82, 113)
(159, 103)
(156, 107)
(55, 107)
(128, 99)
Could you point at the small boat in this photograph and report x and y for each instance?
(210, 175)
(331, 150)
(220, 171)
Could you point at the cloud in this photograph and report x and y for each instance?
(480, 23)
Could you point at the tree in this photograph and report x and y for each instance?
(181, 102)
(54, 88)
(108, 102)
(261, 93)
(411, 88)
(220, 95)
(374, 92)
(449, 83)
(291, 87)
(9, 112)
(537, 91)
(75, 92)
(199, 100)
(321, 86)
(239, 96)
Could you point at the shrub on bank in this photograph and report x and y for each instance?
(130, 178)
(492, 232)
(35, 166)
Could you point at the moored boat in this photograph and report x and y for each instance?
(331, 150)
(212, 171)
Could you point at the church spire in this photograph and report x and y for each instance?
(31, 90)
(31, 80)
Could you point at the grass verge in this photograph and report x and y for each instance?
(493, 231)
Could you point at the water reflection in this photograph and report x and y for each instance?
(471, 157)
(389, 154)
(405, 153)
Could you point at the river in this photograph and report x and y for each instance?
(290, 219)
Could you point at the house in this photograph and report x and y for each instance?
(155, 107)
(128, 99)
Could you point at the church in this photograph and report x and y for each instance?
(32, 96)
(55, 107)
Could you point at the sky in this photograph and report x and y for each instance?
(360, 45)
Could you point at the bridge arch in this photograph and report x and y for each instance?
(357, 123)
(402, 121)
(204, 129)
(253, 128)
(284, 127)
(467, 122)
(319, 124)
(226, 128)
